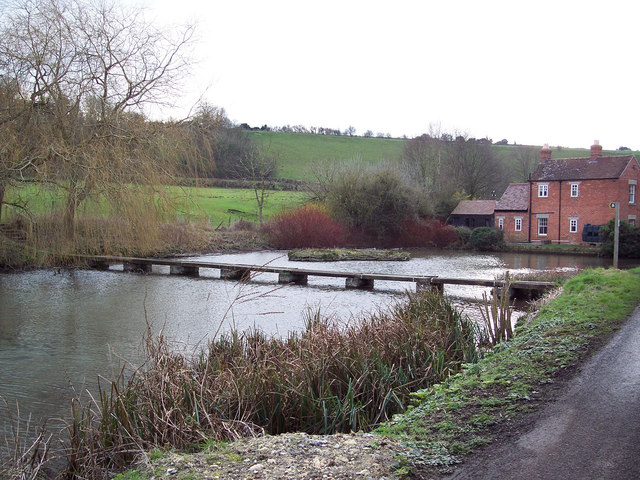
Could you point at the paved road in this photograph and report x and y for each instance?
(591, 432)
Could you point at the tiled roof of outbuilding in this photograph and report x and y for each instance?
(515, 197)
(475, 207)
(581, 168)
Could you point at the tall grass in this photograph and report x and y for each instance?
(328, 378)
(496, 314)
(27, 447)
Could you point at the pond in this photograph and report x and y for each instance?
(60, 330)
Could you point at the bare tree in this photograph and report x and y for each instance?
(258, 166)
(83, 72)
(526, 161)
(474, 167)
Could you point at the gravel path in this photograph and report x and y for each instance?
(591, 432)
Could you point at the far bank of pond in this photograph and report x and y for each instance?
(59, 330)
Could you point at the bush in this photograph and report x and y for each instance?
(628, 243)
(309, 226)
(486, 238)
(372, 200)
(464, 236)
(425, 233)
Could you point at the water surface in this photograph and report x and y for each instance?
(60, 330)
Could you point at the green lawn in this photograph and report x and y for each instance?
(224, 205)
(214, 205)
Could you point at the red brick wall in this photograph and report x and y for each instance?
(510, 235)
(591, 206)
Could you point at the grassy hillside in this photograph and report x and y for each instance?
(299, 151)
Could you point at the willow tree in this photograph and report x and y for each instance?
(83, 71)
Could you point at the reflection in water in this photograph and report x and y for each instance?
(59, 331)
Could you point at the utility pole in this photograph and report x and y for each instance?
(616, 233)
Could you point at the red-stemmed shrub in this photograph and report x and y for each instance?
(309, 226)
(425, 233)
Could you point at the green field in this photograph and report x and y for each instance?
(225, 205)
(297, 152)
(214, 205)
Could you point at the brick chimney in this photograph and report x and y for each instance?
(596, 149)
(545, 153)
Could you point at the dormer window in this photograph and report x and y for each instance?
(543, 190)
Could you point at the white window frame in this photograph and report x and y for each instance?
(631, 219)
(543, 190)
(500, 223)
(573, 225)
(575, 190)
(632, 192)
(518, 224)
(543, 223)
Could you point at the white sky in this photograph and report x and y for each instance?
(560, 72)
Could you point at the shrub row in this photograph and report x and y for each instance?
(311, 226)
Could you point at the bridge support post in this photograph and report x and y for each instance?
(186, 270)
(235, 274)
(429, 284)
(359, 283)
(293, 277)
(99, 265)
(136, 267)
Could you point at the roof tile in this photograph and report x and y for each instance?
(515, 197)
(475, 207)
(581, 168)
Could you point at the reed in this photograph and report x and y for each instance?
(496, 314)
(27, 448)
(328, 378)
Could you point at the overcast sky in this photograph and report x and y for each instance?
(558, 72)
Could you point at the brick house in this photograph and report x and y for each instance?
(512, 213)
(569, 193)
(473, 214)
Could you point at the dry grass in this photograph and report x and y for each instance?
(27, 446)
(328, 378)
(496, 314)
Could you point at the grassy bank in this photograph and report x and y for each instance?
(472, 407)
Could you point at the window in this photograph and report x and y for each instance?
(500, 223)
(632, 193)
(543, 190)
(632, 220)
(542, 226)
(574, 190)
(518, 224)
(573, 225)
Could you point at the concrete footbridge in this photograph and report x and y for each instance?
(300, 276)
